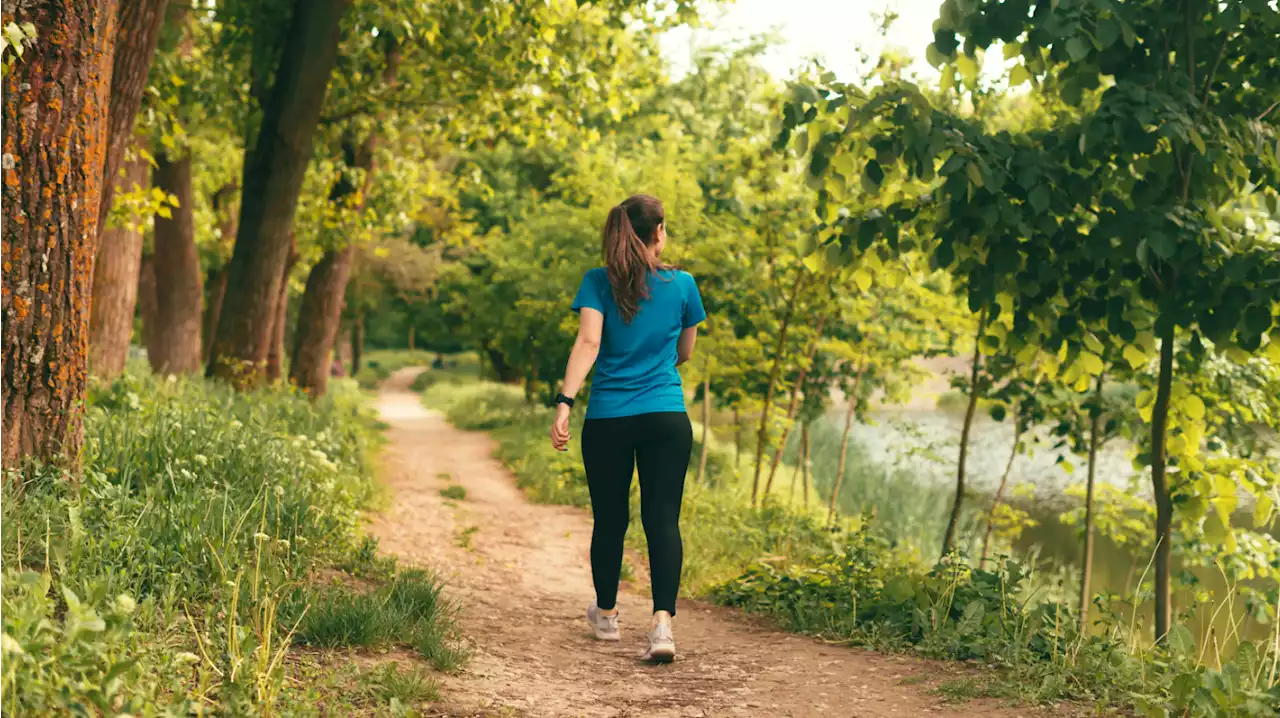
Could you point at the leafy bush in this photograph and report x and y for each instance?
(199, 510)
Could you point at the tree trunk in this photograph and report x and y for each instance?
(115, 287)
(178, 282)
(273, 174)
(795, 403)
(136, 36)
(953, 523)
(55, 104)
(844, 448)
(275, 354)
(1004, 482)
(318, 319)
(216, 282)
(1160, 487)
(147, 302)
(762, 435)
(215, 291)
(706, 420)
(1086, 570)
(357, 343)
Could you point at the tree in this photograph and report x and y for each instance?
(175, 344)
(137, 34)
(273, 174)
(115, 278)
(52, 168)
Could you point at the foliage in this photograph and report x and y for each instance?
(158, 580)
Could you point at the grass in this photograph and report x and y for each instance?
(454, 492)
(180, 549)
(407, 686)
(409, 611)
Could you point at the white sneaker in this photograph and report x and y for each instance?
(605, 627)
(662, 644)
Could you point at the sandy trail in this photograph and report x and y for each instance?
(521, 573)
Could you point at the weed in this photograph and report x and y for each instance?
(960, 690)
(463, 539)
(455, 492)
(410, 686)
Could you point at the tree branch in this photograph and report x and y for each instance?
(1267, 111)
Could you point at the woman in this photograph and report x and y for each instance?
(638, 320)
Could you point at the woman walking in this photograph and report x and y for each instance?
(637, 320)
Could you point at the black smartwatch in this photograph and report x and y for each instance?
(562, 399)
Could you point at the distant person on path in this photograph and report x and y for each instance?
(638, 320)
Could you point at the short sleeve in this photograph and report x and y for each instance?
(589, 294)
(694, 314)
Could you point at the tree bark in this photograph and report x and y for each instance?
(318, 319)
(762, 434)
(795, 403)
(273, 174)
(706, 420)
(357, 342)
(795, 475)
(844, 448)
(115, 287)
(216, 281)
(215, 286)
(275, 354)
(953, 523)
(147, 302)
(174, 345)
(137, 34)
(1004, 482)
(1160, 487)
(55, 107)
(1086, 570)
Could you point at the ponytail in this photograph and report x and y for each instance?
(626, 252)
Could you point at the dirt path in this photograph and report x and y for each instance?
(521, 572)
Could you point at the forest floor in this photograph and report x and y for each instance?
(520, 572)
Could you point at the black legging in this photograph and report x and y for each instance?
(659, 445)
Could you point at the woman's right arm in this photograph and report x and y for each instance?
(684, 345)
(585, 350)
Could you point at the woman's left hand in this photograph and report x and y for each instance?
(560, 428)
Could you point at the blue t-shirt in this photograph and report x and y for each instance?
(636, 367)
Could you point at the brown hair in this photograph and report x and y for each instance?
(628, 232)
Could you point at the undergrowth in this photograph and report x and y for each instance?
(865, 582)
(164, 577)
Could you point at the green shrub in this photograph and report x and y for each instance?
(454, 492)
(202, 507)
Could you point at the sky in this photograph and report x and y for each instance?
(831, 29)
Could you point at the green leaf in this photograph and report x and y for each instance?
(975, 174)
(806, 244)
(1108, 32)
(1257, 319)
(1018, 75)
(1180, 640)
(1012, 50)
(1196, 140)
(1039, 198)
(862, 278)
(1077, 48)
(1135, 356)
(1163, 245)
(1193, 406)
(968, 69)
(1091, 363)
(873, 173)
(1262, 510)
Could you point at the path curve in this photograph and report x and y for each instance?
(523, 579)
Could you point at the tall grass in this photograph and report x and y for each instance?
(157, 579)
